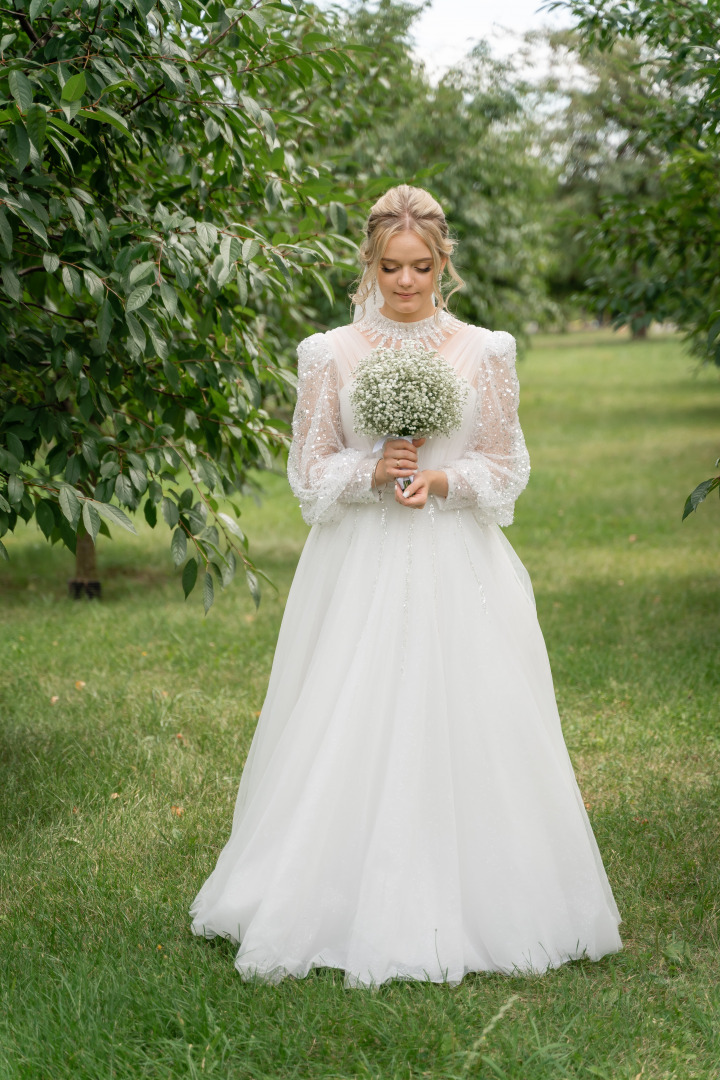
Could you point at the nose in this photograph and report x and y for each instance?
(405, 278)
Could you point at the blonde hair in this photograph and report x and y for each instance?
(399, 209)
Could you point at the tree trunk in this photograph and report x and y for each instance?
(85, 582)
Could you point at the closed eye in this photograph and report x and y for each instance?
(394, 269)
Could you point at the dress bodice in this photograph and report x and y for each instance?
(349, 345)
(485, 460)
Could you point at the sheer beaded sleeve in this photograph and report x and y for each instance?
(495, 466)
(323, 472)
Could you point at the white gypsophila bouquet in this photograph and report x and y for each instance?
(410, 392)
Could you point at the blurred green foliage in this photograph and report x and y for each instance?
(653, 240)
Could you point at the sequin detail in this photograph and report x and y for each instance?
(325, 474)
(461, 530)
(495, 466)
(431, 333)
(406, 597)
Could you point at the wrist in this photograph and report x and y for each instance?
(438, 483)
(379, 476)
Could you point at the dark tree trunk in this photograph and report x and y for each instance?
(85, 582)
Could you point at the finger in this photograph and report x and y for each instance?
(412, 489)
(419, 442)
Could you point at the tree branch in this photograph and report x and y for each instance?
(42, 41)
(25, 23)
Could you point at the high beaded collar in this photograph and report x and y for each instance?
(430, 332)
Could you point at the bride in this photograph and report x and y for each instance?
(408, 808)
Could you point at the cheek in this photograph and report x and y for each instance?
(384, 283)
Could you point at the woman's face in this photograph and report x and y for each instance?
(405, 278)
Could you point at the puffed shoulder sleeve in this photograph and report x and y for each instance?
(495, 466)
(323, 472)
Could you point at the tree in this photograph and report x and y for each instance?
(661, 250)
(470, 139)
(153, 207)
(595, 104)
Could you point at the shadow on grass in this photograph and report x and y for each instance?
(42, 577)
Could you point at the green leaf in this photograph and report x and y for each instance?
(6, 233)
(104, 322)
(91, 519)
(141, 270)
(74, 88)
(124, 489)
(227, 570)
(51, 261)
(93, 284)
(136, 331)
(36, 123)
(232, 525)
(36, 8)
(178, 546)
(21, 89)
(16, 489)
(138, 479)
(169, 298)
(138, 298)
(106, 116)
(208, 592)
(71, 280)
(6, 41)
(45, 517)
(338, 216)
(114, 515)
(70, 506)
(189, 576)
(34, 224)
(3, 552)
(699, 495)
(206, 234)
(170, 512)
(150, 511)
(19, 145)
(172, 375)
(11, 282)
(253, 586)
(68, 129)
(89, 452)
(4, 504)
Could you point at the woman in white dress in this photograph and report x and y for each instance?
(408, 808)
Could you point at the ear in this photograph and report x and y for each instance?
(443, 263)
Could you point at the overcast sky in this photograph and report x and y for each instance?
(450, 28)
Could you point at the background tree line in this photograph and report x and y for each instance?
(182, 185)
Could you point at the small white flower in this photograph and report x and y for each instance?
(410, 391)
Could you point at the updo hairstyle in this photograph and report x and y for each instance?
(401, 208)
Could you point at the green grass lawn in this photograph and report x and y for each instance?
(125, 723)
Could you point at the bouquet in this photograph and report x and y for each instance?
(406, 393)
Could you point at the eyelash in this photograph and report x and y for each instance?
(393, 270)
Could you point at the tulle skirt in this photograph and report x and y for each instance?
(408, 808)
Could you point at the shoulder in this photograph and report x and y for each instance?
(313, 353)
(500, 346)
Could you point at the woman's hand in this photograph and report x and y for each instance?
(399, 460)
(426, 483)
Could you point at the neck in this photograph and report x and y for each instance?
(409, 316)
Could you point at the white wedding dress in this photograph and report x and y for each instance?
(408, 808)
